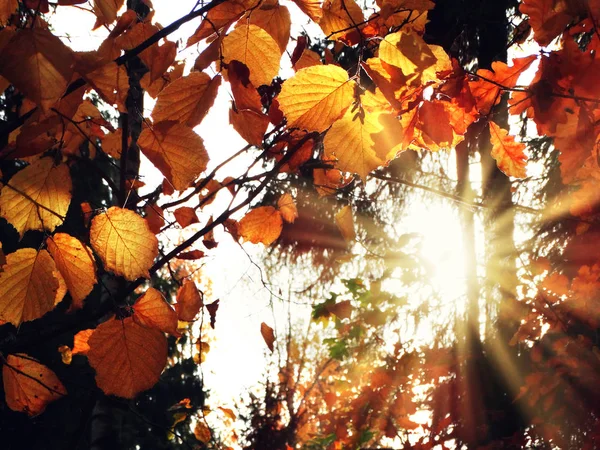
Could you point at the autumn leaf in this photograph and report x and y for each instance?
(38, 64)
(81, 342)
(275, 21)
(254, 47)
(202, 432)
(154, 216)
(189, 301)
(340, 15)
(312, 8)
(7, 8)
(176, 151)
(345, 223)
(106, 10)
(316, 97)
(407, 51)
(152, 310)
(27, 286)
(112, 84)
(75, 263)
(261, 225)
(548, 18)
(191, 255)
(250, 125)
(486, 90)
(185, 216)
(66, 355)
(508, 154)
(187, 99)
(37, 197)
(124, 242)
(128, 358)
(28, 385)
(267, 333)
(212, 309)
(217, 18)
(287, 208)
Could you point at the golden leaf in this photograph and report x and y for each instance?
(262, 224)
(75, 263)
(187, 99)
(152, 310)
(37, 197)
(189, 301)
(345, 223)
(27, 286)
(407, 51)
(316, 97)
(254, 47)
(340, 15)
(176, 151)
(124, 242)
(508, 154)
(250, 125)
(275, 21)
(287, 208)
(128, 358)
(28, 385)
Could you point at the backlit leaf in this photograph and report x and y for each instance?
(250, 125)
(76, 264)
(345, 223)
(202, 432)
(176, 151)
(185, 216)
(28, 385)
(316, 97)
(124, 242)
(37, 197)
(189, 301)
(340, 15)
(268, 335)
(275, 21)
(287, 208)
(27, 286)
(187, 99)
(507, 152)
(128, 358)
(254, 47)
(261, 225)
(220, 16)
(152, 310)
(106, 10)
(81, 342)
(407, 51)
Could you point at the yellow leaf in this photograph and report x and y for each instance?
(316, 97)
(37, 197)
(220, 16)
(340, 15)
(124, 242)
(106, 10)
(187, 99)
(27, 286)
(75, 263)
(38, 64)
(345, 223)
(254, 47)
(361, 143)
(275, 21)
(287, 208)
(176, 151)
(189, 301)
(262, 224)
(312, 8)
(250, 125)
(407, 51)
(128, 358)
(28, 385)
(152, 310)
(66, 355)
(228, 412)
(268, 335)
(112, 84)
(508, 154)
(308, 59)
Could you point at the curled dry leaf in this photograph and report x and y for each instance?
(28, 385)
(185, 216)
(268, 335)
(128, 358)
(189, 301)
(261, 225)
(27, 286)
(124, 242)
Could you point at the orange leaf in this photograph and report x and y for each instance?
(341, 309)
(152, 310)
(112, 84)
(228, 412)
(155, 218)
(486, 90)
(268, 335)
(254, 47)
(312, 8)
(191, 255)
(275, 21)
(316, 97)
(220, 16)
(80, 342)
(187, 99)
(76, 264)
(128, 358)
(508, 154)
(124, 242)
(27, 286)
(262, 224)
(176, 151)
(7, 8)
(185, 216)
(37, 197)
(548, 18)
(189, 301)
(202, 432)
(340, 15)
(250, 125)
(106, 10)
(28, 385)
(407, 51)
(345, 223)
(287, 208)
(38, 64)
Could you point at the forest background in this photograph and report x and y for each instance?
(421, 176)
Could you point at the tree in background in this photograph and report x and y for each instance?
(83, 263)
